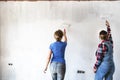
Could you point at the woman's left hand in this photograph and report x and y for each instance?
(45, 70)
(94, 70)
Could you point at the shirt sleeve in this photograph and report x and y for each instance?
(50, 47)
(102, 49)
(65, 43)
(109, 34)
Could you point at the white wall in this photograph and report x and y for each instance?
(27, 30)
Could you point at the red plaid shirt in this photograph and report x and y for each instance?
(102, 49)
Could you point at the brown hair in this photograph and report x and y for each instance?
(58, 35)
(103, 35)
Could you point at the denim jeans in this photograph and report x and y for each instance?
(57, 70)
(105, 71)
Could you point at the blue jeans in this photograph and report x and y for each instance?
(57, 70)
(105, 71)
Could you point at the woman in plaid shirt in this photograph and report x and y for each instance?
(104, 66)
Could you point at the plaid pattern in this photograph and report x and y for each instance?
(102, 49)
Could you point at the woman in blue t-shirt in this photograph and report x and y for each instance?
(57, 51)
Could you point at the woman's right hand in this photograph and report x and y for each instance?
(107, 24)
(64, 32)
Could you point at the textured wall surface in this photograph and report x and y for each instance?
(26, 30)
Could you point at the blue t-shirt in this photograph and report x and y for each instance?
(58, 50)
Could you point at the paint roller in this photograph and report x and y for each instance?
(105, 16)
(65, 26)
